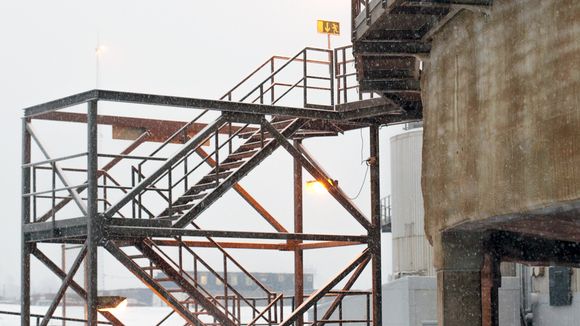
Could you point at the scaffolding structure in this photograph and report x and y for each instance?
(142, 208)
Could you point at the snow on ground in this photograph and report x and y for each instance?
(131, 316)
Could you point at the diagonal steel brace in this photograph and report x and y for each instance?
(317, 172)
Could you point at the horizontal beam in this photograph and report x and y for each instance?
(121, 232)
(225, 245)
(160, 130)
(60, 229)
(61, 103)
(327, 244)
(183, 102)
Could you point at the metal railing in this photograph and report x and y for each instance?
(40, 317)
(347, 86)
(266, 90)
(386, 214)
(274, 307)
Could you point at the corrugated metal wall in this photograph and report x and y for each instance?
(412, 253)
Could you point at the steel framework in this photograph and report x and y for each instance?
(112, 201)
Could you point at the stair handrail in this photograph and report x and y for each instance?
(186, 275)
(242, 268)
(227, 141)
(214, 272)
(154, 177)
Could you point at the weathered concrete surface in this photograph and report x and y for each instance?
(501, 96)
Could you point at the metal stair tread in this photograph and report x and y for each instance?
(252, 145)
(240, 155)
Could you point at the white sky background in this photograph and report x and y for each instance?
(184, 48)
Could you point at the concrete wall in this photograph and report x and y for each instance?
(501, 114)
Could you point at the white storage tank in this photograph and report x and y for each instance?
(412, 253)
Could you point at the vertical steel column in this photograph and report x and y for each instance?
(298, 228)
(490, 283)
(25, 215)
(375, 232)
(93, 223)
(63, 267)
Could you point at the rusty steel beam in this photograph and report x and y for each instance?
(375, 231)
(25, 215)
(94, 219)
(298, 228)
(490, 283)
(189, 103)
(160, 130)
(227, 245)
(315, 170)
(124, 233)
(65, 283)
(314, 297)
(336, 302)
(246, 196)
(73, 285)
(327, 244)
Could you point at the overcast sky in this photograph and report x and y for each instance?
(186, 48)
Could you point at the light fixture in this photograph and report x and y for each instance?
(318, 187)
(100, 49)
(111, 303)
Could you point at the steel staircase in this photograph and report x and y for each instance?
(226, 173)
(182, 290)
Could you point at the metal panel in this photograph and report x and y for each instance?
(560, 286)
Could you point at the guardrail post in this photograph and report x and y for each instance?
(272, 81)
(305, 76)
(344, 78)
(331, 72)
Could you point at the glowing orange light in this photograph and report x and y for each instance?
(315, 186)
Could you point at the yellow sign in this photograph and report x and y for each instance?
(328, 27)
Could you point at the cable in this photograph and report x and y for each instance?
(362, 184)
(362, 142)
(362, 145)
